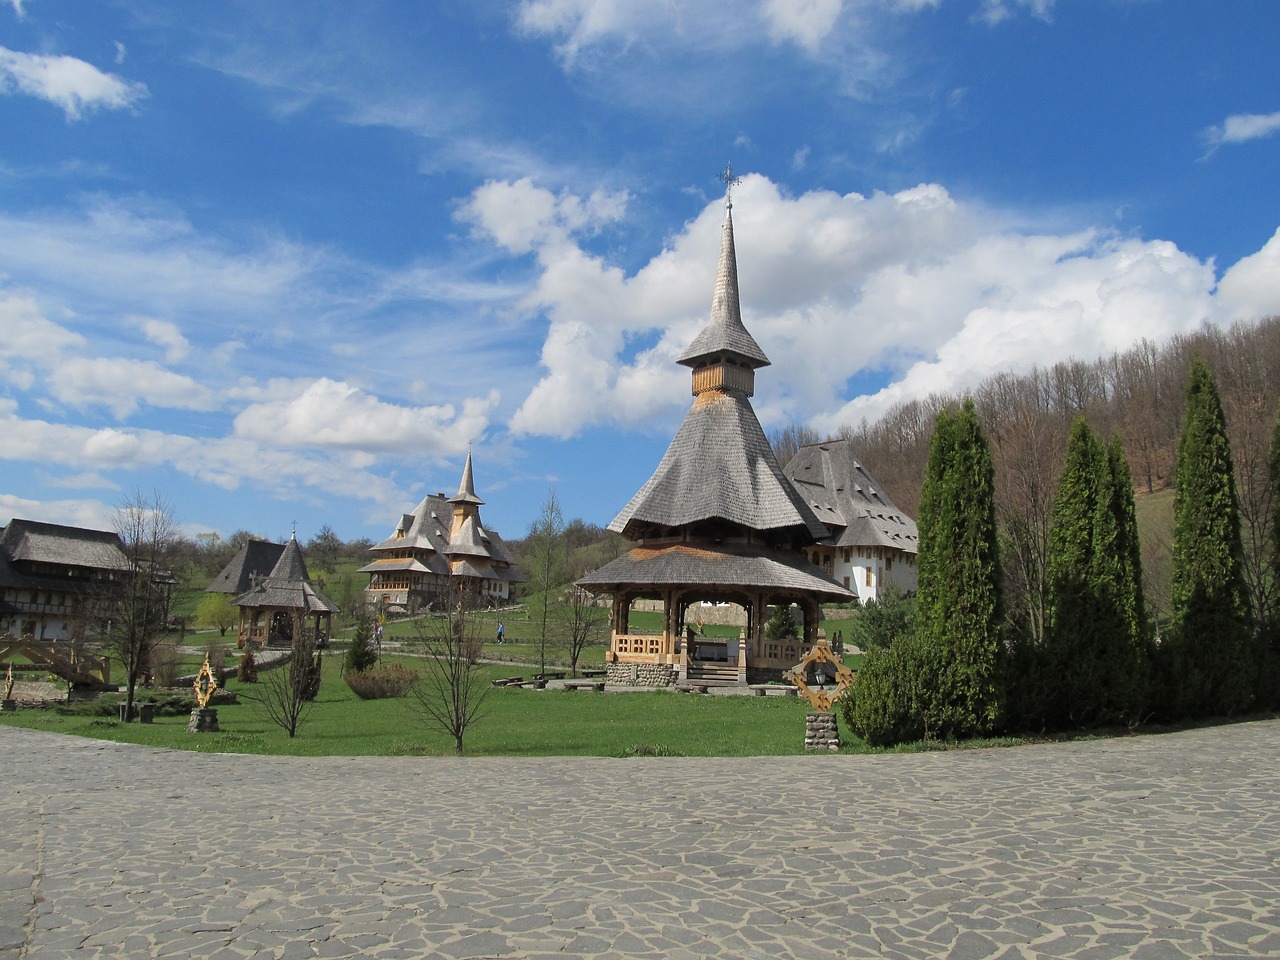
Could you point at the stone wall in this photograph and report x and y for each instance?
(821, 732)
(641, 674)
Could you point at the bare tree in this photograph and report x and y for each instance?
(450, 694)
(288, 693)
(136, 604)
(787, 441)
(544, 562)
(584, 621)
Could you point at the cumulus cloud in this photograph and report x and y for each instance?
(915, 288)
(328, 414)
(67, 82)
(1251, 287)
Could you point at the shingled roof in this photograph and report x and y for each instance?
(848, 500)
(36, 542)
(255, 558)
(727, 566)
(719, 466)
(288, 586)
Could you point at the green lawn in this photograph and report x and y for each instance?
(518, 722)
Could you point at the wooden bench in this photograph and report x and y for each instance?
(692, 687)
(596, 685)
(508, 682)
(591, 673)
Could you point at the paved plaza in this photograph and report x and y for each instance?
(1149, 847)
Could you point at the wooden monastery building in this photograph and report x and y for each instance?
(717, 522)
(441, 543)
(54, 579)
(872, 543)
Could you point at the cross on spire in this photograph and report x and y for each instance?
(730, 181)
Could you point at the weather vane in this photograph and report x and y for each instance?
(730, 181)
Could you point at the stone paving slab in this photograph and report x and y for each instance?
(1157, 848)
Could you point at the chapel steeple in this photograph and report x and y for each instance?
(724, 356)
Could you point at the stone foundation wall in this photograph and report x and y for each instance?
(821, 732)
(641, 674)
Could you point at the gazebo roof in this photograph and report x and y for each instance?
(725, 567)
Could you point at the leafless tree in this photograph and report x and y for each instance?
(287, 693)
(450, 694)
(136, 603)
(787, 441)
(584, 622)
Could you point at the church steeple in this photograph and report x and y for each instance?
(724, 356)
(467, 488)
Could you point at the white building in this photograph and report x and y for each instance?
(872, 543)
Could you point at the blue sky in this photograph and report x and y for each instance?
(287, 262)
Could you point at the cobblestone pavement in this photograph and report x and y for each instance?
(1152, 847)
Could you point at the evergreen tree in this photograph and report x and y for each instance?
(361, 655)
(1209, 660)
(960, 610)
(1137, 650)
(1269, 646)
(1094, 657)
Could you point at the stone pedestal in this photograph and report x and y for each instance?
(821, 732)
(203, 720)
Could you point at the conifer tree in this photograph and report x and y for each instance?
(1077, 615)
(1269, 641)
(960, 609)
(1209, 660)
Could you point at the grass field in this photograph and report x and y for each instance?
(517, 722)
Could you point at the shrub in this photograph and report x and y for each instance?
(247, 671)
(381, 682)
(166, 665)
(361, 654)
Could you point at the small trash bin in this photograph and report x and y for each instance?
(146, 712)
(124, 711)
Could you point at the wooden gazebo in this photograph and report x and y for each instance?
(270, 607)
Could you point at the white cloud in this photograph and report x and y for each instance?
(1251, 287)
(29, 335)
(74, 85)
(164, 334)
(1242, 127)
(916, 287)
(521, 216)
(326, 414)
(17, 9)
(122, 384)
(91, 514)
(997, 11)
(806, 22)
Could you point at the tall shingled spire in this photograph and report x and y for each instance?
(467, 488)
(725, 338)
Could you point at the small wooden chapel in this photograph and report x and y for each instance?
(718, 522)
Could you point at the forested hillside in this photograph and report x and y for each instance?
(1139, 395)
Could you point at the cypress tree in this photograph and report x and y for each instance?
(1269, 645)
(1094, 665)
(960, 608)
(1077, 615)
(1209, 658)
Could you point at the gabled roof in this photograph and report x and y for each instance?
(724, 332)
(32, 541)
(467, 541)
(254, 558)
(719, 466)
(426, 528)
(848, 500)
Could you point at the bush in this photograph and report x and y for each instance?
(384, 681)
(883, 621)
(895, 696)
(247, 671)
